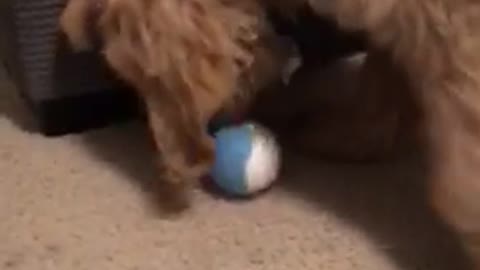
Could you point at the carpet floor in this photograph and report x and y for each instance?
(84, 202)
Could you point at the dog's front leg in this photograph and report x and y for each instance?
(454, 124)
(185, 151)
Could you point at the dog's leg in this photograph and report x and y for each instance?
(185, 151)
(437, 44)
(177, 118)
(454, 122)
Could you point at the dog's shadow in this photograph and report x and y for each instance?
(387, 201)
(128, 148)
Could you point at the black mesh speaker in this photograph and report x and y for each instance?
(67, 92)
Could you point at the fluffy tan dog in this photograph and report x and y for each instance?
(435, 44)
(188, 60)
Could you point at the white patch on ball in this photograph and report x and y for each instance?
(263, 166)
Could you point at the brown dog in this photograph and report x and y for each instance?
(436, 45)
(188, 60)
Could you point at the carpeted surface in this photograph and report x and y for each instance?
(84, 202)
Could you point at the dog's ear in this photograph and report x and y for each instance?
(75, 23)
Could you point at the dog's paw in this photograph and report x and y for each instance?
(171, 198)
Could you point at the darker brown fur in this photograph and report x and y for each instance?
(345, 111)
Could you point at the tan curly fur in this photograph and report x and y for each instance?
(188, 60)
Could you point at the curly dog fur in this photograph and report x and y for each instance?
(188, 60)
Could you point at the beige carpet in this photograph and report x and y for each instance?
(83, 202)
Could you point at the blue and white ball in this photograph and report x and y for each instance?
(247, 159)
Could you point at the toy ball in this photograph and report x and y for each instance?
(247, 159)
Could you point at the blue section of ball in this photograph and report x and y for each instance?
(233, 149)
